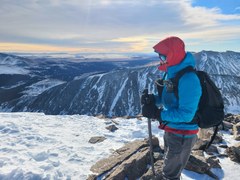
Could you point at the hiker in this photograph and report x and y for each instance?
(175, 113)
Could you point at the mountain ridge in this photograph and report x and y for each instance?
(117, 93)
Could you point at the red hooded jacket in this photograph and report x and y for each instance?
(174, 50)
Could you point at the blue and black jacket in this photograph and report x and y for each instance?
(178, 112)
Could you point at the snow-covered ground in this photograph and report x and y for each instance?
(37, 146)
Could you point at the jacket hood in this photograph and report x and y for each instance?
(174, 50)
(187, 61)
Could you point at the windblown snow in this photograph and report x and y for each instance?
(37, 146)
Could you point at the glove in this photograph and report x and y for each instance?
(151, 111)
(147, 99)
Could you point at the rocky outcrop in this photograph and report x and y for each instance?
(234, 153)
(133, 160)
(128, 161)
(200, 165)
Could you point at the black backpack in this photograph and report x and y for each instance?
(210, 111)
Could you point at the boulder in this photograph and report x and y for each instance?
(211, 150)
(236, 131)
(199, 164)
(96, 139)
(112, 128)
(205, 133)
(234, 153)
(133, 167)
(214, 162)
(201, 145)
(227, 125)
(198, 153)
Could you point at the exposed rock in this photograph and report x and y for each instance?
(213, 162)
(158, 155)
(218, 139)
(198, 153)
(139, 117)
(211, 150)
(227, 125)
(158, 166)
(133, 167)
(237, 118)
(234, 119)
(115, 122)
(112, 128)
(97, 139)
(92, 177)
(236, 131)
(101, 116)
(206, 134)
(129, 117)
(200, 144)
(223, 146)
(133, 160)
(234, 153)
(120, 155)
(198, 164)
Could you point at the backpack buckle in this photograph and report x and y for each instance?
(169, 85)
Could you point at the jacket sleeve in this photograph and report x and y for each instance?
(189, 92)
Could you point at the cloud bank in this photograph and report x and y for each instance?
(110, 25)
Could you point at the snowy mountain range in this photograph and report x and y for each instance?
(110, 88)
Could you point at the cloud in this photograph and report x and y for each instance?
(105, 23)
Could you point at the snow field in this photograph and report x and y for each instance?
(45, 146)
(37, 146)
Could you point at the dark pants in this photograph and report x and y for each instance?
(177, 150)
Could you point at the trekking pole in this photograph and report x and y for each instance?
(150, 144)
(149, 133)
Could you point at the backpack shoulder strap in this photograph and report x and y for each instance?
(164, 76)
(178, 76)
(212, 138)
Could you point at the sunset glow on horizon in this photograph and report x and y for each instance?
(121, 26)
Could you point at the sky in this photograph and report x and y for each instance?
(117, 26)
